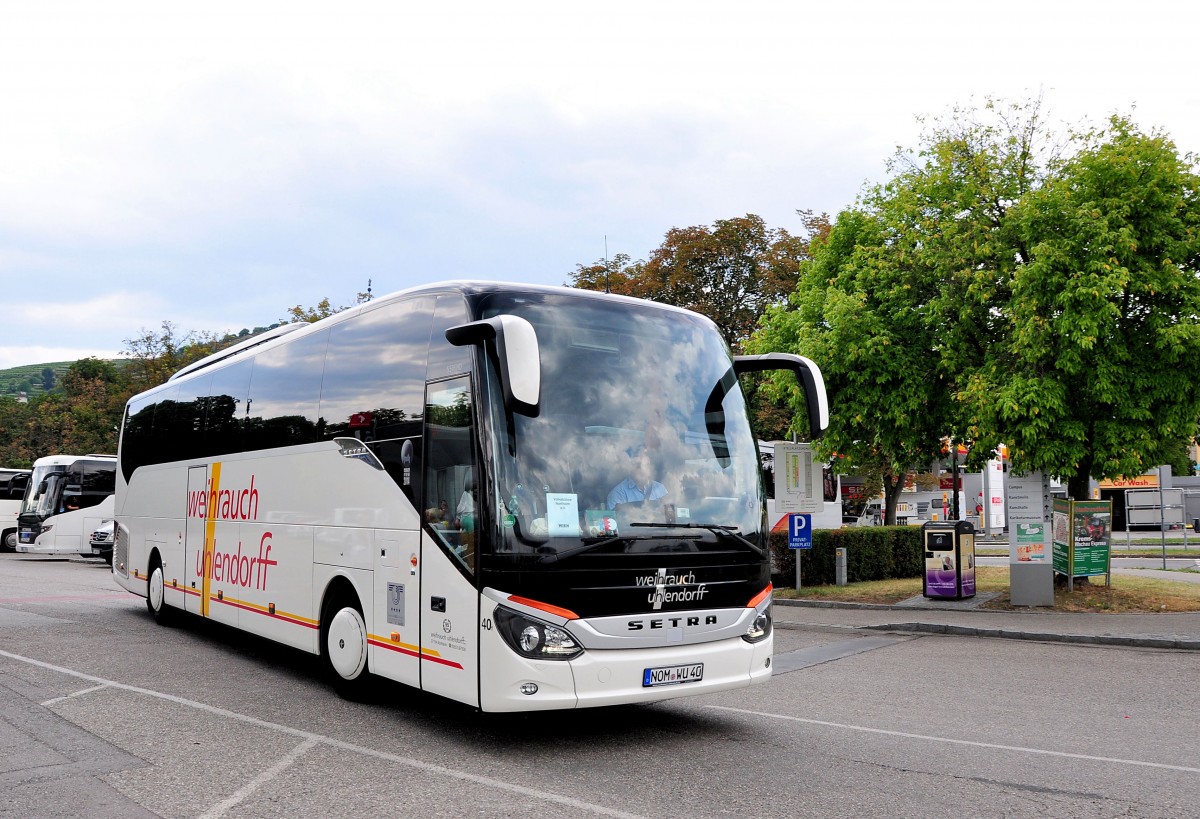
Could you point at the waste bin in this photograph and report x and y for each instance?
(949, 559)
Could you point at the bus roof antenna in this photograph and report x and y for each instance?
(606, 290)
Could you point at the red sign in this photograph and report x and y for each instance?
(360, 420)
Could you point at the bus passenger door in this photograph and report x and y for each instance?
(449, 599)
(191, 574)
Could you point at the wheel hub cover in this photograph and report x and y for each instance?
(347, 643)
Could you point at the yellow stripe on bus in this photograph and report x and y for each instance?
(210, 536)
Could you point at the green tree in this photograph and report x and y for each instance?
(47, 379)
(1095, 379)
(862, 312)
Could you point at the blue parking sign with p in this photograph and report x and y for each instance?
(799, 531)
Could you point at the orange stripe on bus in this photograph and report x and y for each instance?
(546, 607)
(758, 598)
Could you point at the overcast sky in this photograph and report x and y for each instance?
(212, 164)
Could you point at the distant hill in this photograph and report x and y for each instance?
(28, 378)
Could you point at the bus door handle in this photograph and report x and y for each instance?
(438, 604)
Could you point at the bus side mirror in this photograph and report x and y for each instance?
(513, 343)
(809, 375)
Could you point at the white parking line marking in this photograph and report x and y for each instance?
(951, 741)
(57, 700)
(285, 762)
(427, 767)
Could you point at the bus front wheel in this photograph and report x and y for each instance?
(344, 649)
(156, 595)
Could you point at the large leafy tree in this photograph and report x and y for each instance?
(1095, 378)
(1006, 288)
(902, 299)
(862, 312)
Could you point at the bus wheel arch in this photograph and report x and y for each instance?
(156, 592)
(343, 640)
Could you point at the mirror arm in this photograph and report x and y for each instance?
(810, 378)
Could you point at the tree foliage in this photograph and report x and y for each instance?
(730, 272)
(1005, 287)
(1095, 380)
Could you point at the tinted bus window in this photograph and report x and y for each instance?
(225, 410)
(187, 440)
(374, 385)
(135, 436)
(285, 394)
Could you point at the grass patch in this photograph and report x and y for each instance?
(1129, 593)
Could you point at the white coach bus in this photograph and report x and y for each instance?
(67, 498)
(439, 487)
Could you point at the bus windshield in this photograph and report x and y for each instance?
(40, 488)
(642, 441)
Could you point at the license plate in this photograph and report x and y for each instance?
(672, 675)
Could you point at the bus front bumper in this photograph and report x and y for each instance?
(620, 676)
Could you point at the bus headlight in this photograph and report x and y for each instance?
(534, 638)
(760, 627)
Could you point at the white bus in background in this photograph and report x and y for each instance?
(423, 488)
(68, 498)
(12, 490)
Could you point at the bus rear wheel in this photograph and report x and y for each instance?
(156, 592)
(344, 649)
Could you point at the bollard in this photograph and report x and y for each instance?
(839, 566)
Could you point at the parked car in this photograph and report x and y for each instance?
(101, 541)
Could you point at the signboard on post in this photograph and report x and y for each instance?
(800, 531)
(798, 487)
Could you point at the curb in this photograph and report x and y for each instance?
(1177, 643)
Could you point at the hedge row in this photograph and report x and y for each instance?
(872, 553)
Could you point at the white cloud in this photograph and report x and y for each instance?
(213, 163)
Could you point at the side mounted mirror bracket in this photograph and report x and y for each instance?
(513, 344)
(809, 375)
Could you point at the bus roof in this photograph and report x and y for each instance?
(466, 287)
(67, 460)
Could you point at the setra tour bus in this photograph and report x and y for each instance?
(66, 499)
(517, 497)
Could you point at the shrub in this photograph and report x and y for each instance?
(872, 553)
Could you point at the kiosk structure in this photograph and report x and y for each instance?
(949, 559)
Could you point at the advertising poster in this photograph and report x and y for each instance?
(941, 579)
(1061, 548)
(1091, 525)
(967, 556)
(1082, 532)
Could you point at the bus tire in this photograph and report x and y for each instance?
(156, 592)
(10, 540)
(344, 648)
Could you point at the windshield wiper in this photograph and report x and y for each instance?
(716, 529)
(589, 543)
